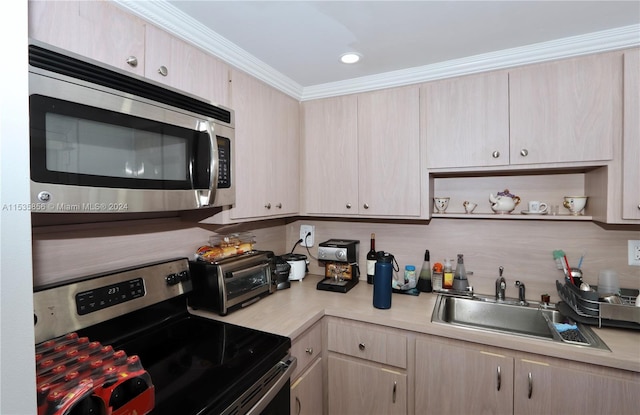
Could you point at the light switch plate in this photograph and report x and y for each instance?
(634, 253)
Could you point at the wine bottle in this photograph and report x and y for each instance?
(371, 259)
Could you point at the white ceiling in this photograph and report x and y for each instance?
(295, 45)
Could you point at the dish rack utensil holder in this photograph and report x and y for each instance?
(587, 304)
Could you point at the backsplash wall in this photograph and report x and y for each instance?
(523, 248)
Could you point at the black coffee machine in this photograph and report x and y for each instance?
(280, 272)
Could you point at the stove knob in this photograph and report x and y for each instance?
(172, 279)
(183, 275)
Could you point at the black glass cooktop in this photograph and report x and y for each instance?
(197, 365)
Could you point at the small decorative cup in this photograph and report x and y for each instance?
(575, 204)
(469, 206)
(537, 207)
(441, 204)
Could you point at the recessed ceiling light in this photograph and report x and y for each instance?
(350, 57)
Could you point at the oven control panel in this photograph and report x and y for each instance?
(81, 303)
(103, 297)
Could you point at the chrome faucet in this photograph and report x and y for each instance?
(521, 295)
(501, 285)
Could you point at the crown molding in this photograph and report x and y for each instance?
(174, 21)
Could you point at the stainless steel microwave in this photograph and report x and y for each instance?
(106, 141)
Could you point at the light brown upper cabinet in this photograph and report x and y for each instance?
(566, 111)
(267, 150)
(96, 29)
(466, 121)
(101, 31)
(631, 143)
(185, 67)
(362, 155)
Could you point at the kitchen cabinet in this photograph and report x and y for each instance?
(466, 121)
(95, 29)
(306, 381)
(366, 369)
(306, 391)
(545, 386)
(362, 155)
(267, 150)
(452, 379)
(180, 65)
(631, 137)
(101, 31)
(566, 111)
(359, 388)
(493, 380)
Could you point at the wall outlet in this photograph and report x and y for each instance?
(307, 241)
(634, 253)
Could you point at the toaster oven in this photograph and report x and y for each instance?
(230, 283)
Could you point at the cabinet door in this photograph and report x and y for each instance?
(542, 388)
(330, 156)
(566, 111)
(267, 150)
(459, 380)
(358, 388)
(389, 152)
(306, 392)
(96, 29)
(185, 67)
(631, 143)
(466, 121)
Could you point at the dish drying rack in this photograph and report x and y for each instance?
(586, 304)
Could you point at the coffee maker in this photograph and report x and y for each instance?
(340, 258)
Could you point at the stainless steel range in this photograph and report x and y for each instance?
(124, 341)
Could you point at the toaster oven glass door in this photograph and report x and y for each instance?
(246, 282)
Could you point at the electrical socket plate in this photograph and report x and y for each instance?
(307, 241)
(634, 253)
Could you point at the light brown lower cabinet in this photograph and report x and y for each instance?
(361, 388)
(454, 377)
(459, 380)
(544, 386)
(306, 391)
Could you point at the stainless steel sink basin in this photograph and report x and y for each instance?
(484, 313)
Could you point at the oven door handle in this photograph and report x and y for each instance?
(289, 366)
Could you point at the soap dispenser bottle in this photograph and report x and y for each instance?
(447, 279)
(460, 282)
(424, 280)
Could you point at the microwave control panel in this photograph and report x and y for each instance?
(224, 162)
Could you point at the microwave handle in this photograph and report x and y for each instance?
(208, 197)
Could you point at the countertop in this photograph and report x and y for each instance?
(292, 311)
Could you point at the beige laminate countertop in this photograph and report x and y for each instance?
(290, 312)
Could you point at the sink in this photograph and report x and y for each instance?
(486, 313)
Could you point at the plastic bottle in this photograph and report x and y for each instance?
(436, 277)
(424, 281)
(410, 275)
(371, 259)
(382, 280)
(447, 280)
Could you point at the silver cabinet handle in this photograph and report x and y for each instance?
(361, 346)
(163, 70)
(132, 61)
(530, 385)
(268, 206)
(309, 350)
(366, 206)
(499, 378)
(348, 205)
(638, 207)
(299, 406)
(395, 386)
(524, 152)
(279, 205)
(495, 154)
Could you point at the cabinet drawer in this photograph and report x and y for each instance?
(366, 342)
(306, 348)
